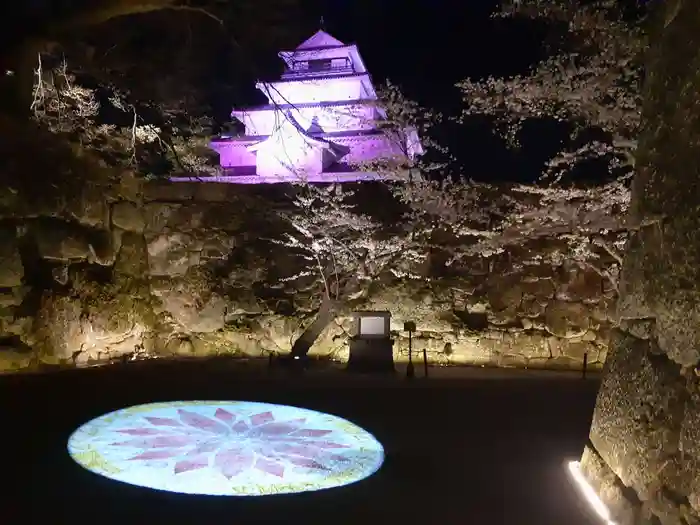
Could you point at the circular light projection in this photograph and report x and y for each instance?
(226, 448)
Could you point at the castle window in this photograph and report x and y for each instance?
(320, 65)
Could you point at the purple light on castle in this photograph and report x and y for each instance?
(319, 124)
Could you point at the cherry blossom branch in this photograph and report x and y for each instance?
(597, 85)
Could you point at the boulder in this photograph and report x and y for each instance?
(128, 216)
(11, 268)
(637, 421)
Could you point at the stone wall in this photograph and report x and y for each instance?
(133, 270)
(644, 451)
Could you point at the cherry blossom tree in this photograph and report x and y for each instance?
(147, 142)
(134, 100)
(462, 219)
(336, 228)
(590, 82)
(446, 221)
(442, 222)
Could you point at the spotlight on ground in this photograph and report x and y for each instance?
(226, 448)
(585, 488)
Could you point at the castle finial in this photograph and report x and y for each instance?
(322, 23)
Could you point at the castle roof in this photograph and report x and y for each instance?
(318, 40)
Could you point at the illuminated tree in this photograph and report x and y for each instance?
(590, 82)
(138, 94)
(437, 225)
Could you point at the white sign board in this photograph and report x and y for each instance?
(372, 326)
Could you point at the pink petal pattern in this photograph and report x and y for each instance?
(157, 454)
(262, 418)
(240, 426)
(163, 421)
(140, 431)
(307, 462)
(232, 443)
(195, 463)
(233, 462)
(271, 467)
(311, 432)
(296, 450)
(328, 444)
(204, 448)
(157, 442)
(201, 422)
(276, 428)
(225, 416)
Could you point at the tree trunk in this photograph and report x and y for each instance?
(325, 315)
(644, 451)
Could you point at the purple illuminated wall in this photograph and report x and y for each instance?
(318, 125)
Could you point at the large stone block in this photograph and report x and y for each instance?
(174, 217)
(578, 284)
(505, 293)
(159, 215)
(536, 288)
(660, 281)
(215, 192)
(61, 241)
(690, 445)
(128, 216)
(132, 259)
(58, 326)
(89, 206)
(227, 217)
(624, 507)
(11, 269)
(565, 319)
(637, 420)
(101, 324)
(167, 191)
(190, 303)
(170, 254)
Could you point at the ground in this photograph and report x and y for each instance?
(475, 447)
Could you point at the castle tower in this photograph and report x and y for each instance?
(319, 124)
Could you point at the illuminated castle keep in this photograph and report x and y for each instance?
(319, 123)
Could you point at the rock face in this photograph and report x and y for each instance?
(164, 269)
(644, 453)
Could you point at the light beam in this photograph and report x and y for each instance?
(593, 500)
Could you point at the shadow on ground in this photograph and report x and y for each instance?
(459, 451)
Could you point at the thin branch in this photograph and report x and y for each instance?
(609, 250)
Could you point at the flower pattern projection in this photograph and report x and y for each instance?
(226, 448)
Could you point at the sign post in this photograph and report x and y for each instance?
(371, 346)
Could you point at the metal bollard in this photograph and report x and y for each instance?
(410, 327)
